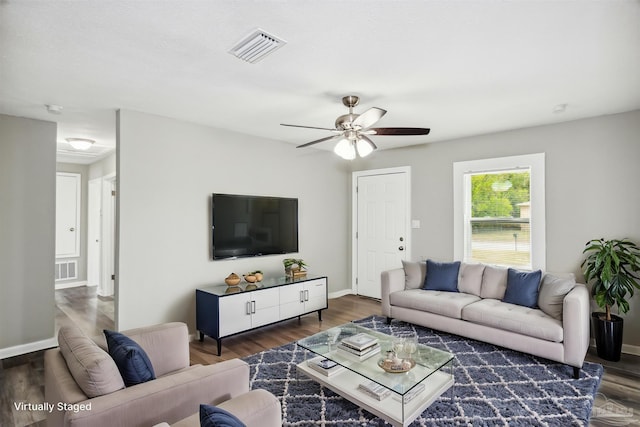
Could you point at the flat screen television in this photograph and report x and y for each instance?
(244, 226)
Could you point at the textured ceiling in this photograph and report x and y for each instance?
(459, 67)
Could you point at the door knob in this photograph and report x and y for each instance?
(401, 248)
(402, 239)
(72, 229)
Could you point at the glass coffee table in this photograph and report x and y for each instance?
(396, 381)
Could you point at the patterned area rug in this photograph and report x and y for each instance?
(493, 387)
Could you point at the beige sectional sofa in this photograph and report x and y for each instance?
(84, 387)
(557, 330)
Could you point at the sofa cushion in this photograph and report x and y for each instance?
(414, 273)
(522, 287)
(444, 303)
(494, 282)
(552, 292)
(212, 416)
(470, 280)
(132, 361)
(442, 276)
(91, 367)
(515, 318)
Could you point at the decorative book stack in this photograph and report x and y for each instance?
(374, 390)
(408, 397)
(324, 366)
(361, 345)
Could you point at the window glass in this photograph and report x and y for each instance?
(499, 211)
(498, 230)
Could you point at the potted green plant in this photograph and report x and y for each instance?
(294, 266)
(612, 267)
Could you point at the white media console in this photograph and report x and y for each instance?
(222, 310)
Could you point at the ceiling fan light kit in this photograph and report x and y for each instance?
(364, 147)
(353, 129)
(345, 149)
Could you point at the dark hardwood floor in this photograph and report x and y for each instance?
(22, 378)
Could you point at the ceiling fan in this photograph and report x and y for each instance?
(353, 131)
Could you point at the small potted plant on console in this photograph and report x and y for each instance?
(612, 266)
(294, 267)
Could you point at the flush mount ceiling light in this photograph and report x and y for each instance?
(256, 46)
(80, 143)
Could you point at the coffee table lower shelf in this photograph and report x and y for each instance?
(391, 409)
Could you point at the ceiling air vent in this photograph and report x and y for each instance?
(256, 46)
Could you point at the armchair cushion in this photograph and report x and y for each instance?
(92, 368)
(212, 416)
(132, 361)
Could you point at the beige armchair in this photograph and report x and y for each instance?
(174, 395)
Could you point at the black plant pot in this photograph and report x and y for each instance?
(608, 336)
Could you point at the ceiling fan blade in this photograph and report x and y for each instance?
(369, 117)
(306, 127)
(319, 140)
(400, 131)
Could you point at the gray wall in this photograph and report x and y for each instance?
(103, 167)
(592, 178)
(167, 170)
(27, 228)
(83, 170)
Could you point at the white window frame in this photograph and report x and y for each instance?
(536, 164)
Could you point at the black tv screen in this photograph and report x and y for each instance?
(246, 226)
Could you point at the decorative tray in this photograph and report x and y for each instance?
(398, 366)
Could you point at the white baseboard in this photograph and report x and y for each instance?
(631, 349)
(100, 294)
(338, 294)
(28, 348)
(626, 348)
(71, 285)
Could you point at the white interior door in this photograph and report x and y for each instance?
(382, 226)
(94, 226)
(67, 215)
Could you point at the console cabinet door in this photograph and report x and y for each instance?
(265, 307)
(315, 295)
(291, 300)
(234, 314)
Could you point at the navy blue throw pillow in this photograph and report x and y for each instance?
(522, 288)
(132, 361)
(212, 416)
(442, 276)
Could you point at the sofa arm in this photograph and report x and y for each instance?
(575, 322)
(169, 398)
(258, 408)
(391, 281)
